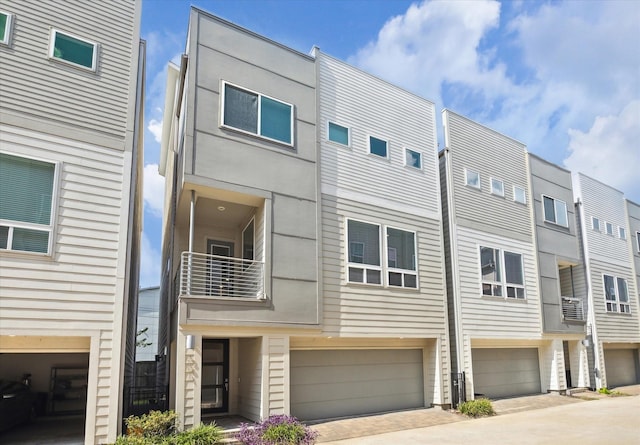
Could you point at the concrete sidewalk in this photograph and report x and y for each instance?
(604, 421)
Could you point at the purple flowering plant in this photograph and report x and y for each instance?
(278, 429)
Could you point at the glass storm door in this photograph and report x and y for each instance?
(215, 376)
(220, 270)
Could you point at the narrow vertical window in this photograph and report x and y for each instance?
(622, 233)
(608, 227)
(364, 252)
(595, 224)
(401, 258)
(471, 178)
(491, 271)
(497, 187)
(519, 194)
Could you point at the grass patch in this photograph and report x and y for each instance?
(481, 407)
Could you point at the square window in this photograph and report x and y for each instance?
(6, 20)
(519, 194)
(412, 158)
(595, 224)
(622, 233)
(472, 178)
(378, 147)
(257, 114)
(26, 203)
(338, 133)
(364, 252)
(555, 211)
(497, 187)
(608, 227)
(74, 50)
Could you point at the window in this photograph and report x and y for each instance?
(339, 134)
(608, 228)
(638, 241)
(616, 294)
(472, 178)
(248, 241)
(412, 158)
(401, 258)
(364, 252)
(622, 233)
(74, 50)
(519, 194)
(595, 223)
(494, 281)
(26, 204)
(6, 20)
(257, 114)
(555, 211)
(378, 147)
(497, 187)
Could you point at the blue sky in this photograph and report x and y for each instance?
(563, 77)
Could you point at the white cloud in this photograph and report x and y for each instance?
(608, 151)
(153, 187)
(155, 127)
(150, 263)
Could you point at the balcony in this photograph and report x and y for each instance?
(215, 276)
(572, 309)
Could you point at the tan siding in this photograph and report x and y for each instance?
(370, 106)
(277, 370)
(375, 310)
(492, 317)
(36, 86)
(250, 368)
(490, 154)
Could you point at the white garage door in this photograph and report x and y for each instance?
(337, 383)
(506, 372)
(620, 367)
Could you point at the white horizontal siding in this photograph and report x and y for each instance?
(614, 327)
(492, 317)
(375, 310)
(490, 154)
(370, 106)
(34, 85)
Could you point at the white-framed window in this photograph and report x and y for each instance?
(363, 255)
(6, 22)
(338, 134)
(595, 224)
(28, 189)
(495, 282)
(555, 211)
(365, 247)
(378, 147)
(497, 187)
(73, 50)
(616, 294)
(257, 114)
(412, 158)
(472, 178)
(622, 232)
(638, 241)
(401, 258)
(519, 194)
(248, 241)
(608, 228)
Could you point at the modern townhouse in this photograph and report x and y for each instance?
(497, 341)
(70, 202)
(241, 223)
(383, 342)
(561, 272)
(613, 319)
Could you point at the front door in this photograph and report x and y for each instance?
(215, 376)
(220, 270)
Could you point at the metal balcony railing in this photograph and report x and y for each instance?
(572, 309)
(220, 276)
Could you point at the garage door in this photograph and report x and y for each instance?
(337, 383)
(506, 372)
(620, 367)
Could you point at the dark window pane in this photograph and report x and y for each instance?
(240, 109)
(73, 50)
(275, 120)
(623, 295)
(369, 236)
(395, 279)
(378, 146)
(356, 275)
(3, 25)
(490, 264)
(4, 237)
(549, 209)
(513, 268)
(410, 281)
(373, 277)
(413, 158)
(28, 240)
(401, 249)
(497, 290)
(609, 288)
(338, 133)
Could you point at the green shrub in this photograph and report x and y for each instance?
(200, 435)
(606, 391)
(154, 424)
(477, 408)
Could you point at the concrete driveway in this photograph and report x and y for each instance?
(604, 421)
